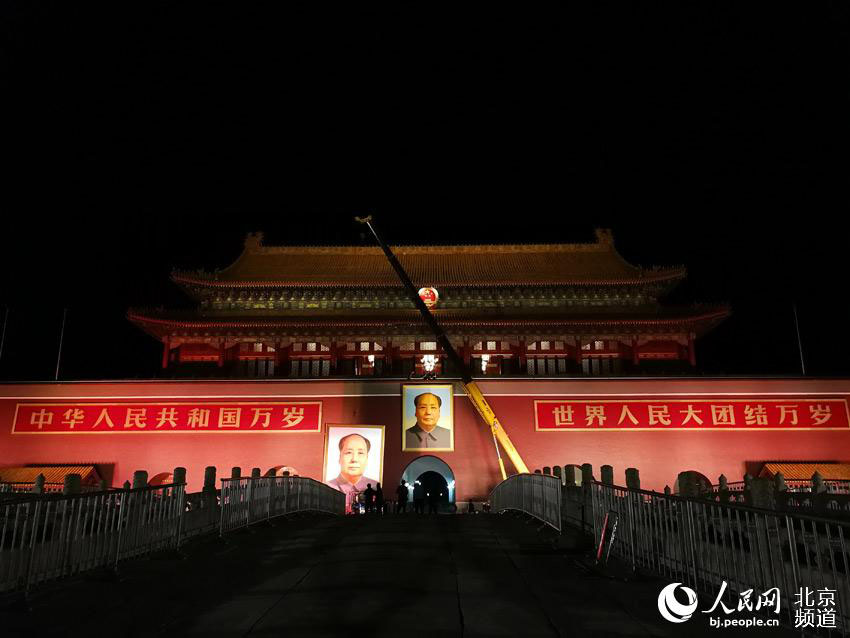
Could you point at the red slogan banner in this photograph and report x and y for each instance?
(692, 414)
(76, 418)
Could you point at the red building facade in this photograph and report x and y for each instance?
(737, 426)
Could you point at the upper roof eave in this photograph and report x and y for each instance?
(672, 274)
(482, 265)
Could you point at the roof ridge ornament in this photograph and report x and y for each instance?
(254, 240)
(604, 236)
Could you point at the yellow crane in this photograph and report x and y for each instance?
(469, 386)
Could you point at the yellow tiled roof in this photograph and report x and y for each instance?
(52, 473)
(470, 265)
(804, 471)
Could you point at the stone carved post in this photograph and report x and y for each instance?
(780, 491)
(607, 472)
(134, 504)
(547, 470)
(819, 493)
(632, 478)
(587, 496)
(571, 476)
(252, 493)
(688, 485)
(102, 486)
(209, 496)
(38, 486)
(72, 484)
(556, 471)
(723, 494)
(178, 475)
(667, 490)
(818, 486)
(209, 479)
(761, 493)
(140, 479)
(236, 473)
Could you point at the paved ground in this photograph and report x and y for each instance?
(406, 576)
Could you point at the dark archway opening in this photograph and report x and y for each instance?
(435, 485)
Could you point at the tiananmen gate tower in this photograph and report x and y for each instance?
(291, 353)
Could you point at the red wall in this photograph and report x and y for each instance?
(658, 455)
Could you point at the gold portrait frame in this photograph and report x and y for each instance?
(354, 427)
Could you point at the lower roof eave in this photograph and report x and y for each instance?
(699, 325)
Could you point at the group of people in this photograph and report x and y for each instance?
(419, 497)
(373, 499)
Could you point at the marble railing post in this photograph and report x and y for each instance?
(178, 475)
(38, 486)
(140, 479)
(72, 484)
(723, 495)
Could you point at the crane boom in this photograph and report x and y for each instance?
(469, 385)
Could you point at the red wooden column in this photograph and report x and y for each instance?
(166, 351)
(577, 343)
(523, 356)
(221, 352)
(284, 358)
(334, 357)
(277, 358)
(635, 357)
(388, 357)
(692, 354)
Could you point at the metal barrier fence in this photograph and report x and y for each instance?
(702, 544)
(245, 501)
(538, 495)
(46, 537)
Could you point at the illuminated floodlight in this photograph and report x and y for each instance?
(429, 362)
(371, 359)
(485, 359)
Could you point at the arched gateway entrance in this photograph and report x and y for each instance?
(430, 470)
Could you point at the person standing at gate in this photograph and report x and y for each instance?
(379, 499)
(401, 498)
(369, 495)
(418, 497)
(433, 501)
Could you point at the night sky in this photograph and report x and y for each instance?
(151, 137)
